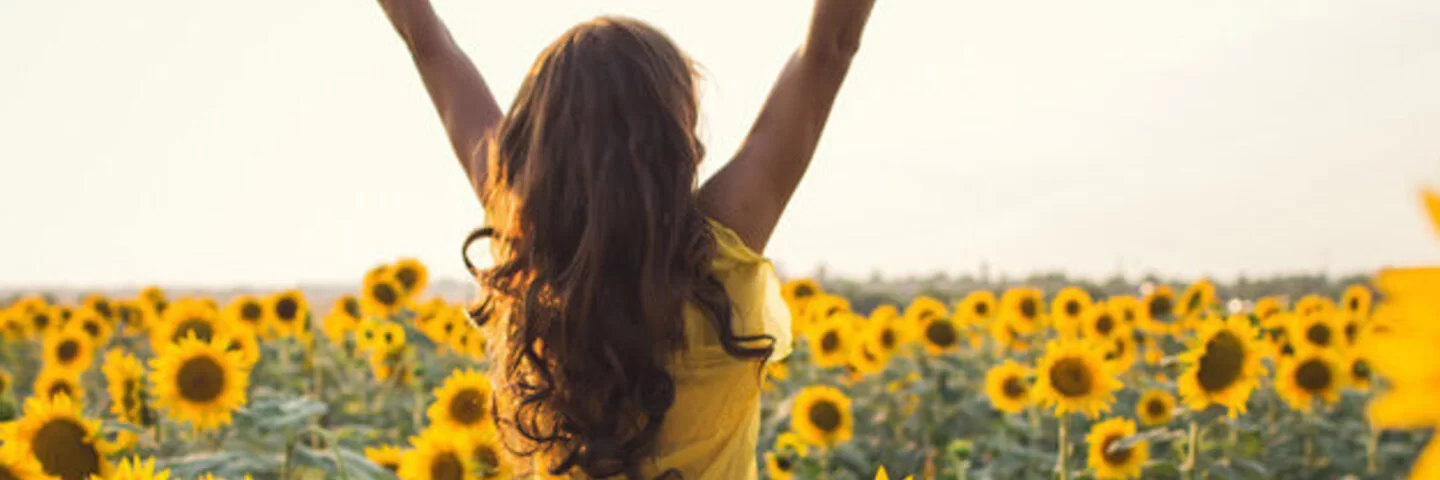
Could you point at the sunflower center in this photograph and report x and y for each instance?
(41, 321)
(1222, 362)
(384, 293)
(407, 277)
(128, 400)
(1359, 369)
(1116, 456)
(1117, 352)
(830, 342)
(1193, 302)
(1013, 388)
(1160, 306)
(393, 467)
(68, 350)
(887, 339)
(1313, 376)
(1070, 377)
(467, 407)
(825, 415)
(1028, 308)
(60, 387)
(61, 447)
(940, 333)
(1318, 334)
(201, 328)
(784, 463)
(352, 307)
(251, 312)
(103, 308)
(1352, 330)
(1072, 308)
(1156, 407)
(1104, 324)
(982, 308)
(447, 466)
(1354, 304)
(287, 309)
(200, 379)
(91, 328)
(1287, 349)
(489, 461)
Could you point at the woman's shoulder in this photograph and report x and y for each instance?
(754, 290)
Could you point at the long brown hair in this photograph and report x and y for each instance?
(600, 245)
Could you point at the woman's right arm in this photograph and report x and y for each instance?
(459, 93)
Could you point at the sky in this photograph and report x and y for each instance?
(274, 142)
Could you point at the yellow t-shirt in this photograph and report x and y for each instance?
(712, 430)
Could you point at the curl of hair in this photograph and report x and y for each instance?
(602, 244)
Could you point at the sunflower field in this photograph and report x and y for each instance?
(1170, 381)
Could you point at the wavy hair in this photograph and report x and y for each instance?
(600, 245)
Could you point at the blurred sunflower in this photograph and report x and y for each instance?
(1197, 299)
(381, 297)
(1359, 370)
(14, 325)
(199, 382)
(1068, 309)
(788, 450)
(185, 317)
(821, 416)
(468, 342)
(799, 291)
(1223, 366)
(438, 454)
(1008, 387)
(124, 380)
(1024, 308)
(411, 275)
(923, 309)
(344, 316)
(43, 321)
(245, 344)
(1108, 458)
(93, 325)
(462, 402)
(1073, 378)
(830, 342)
(135, 468)
(1100, 322)
(54, 382)
(1312, 303)
(488, 454)
(17, 464)
(779, 467)
(1267, 307)
(1356, 301)
(939, 335)
(366, 339)
(1312, 373)
(1157, 312)
(1155, 407)
(978, 307)
(386, 456)
(286, 313)
(1317, 330)
(819, 310)
(389, 366)
(54, 432)
(1006, 336)
(1125, 308)
(864, 360)
(1120, 352)
(100, 305)
(389, 336)
(70, 350)
(5, 380)
(884, 336)
(246, 311)
(131, 315)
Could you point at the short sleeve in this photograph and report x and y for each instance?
(754, 290)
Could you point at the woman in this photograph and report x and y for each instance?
(634, 309)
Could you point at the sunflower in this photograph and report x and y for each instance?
(382, 296)
(136, 469)
(978, 307)
(1100, 322)
(389, 336)
(1155, 407)
(1157, 311)
(1125, 308)
(1311, 373)
(1006, 336)
(1072, 377)
(1120, 352)
(1224, 365)
(124, 380)
(830, 341)
(199, 382)
(1314, 304)
(1359, 370)
(44, 320)
(1317, 330)
(884, 336)
(864, 361)
(797, 293)
(99, 304)
(184, 318)
(386, 457)
(130, 314)
(14, 324)
(287, 313)
(438, 454)
(244, 343)
(246, 311)
(411, 276)
(365, 338)
(344, 316)
(70, 350)
(1007, 386)
(55, 382)
(779, 467)
(93, 325)
(1197, 299)
(1068, 309)
(54, 432)
(5, 380)
(1024, 307)
(468, 342)
(1110, 460)
(821, 416)
(939, 335)
(487, 453)
(924, 309)
(819, 309)
(389, 366)
(17, 464)
(463, 401)
(1267, 307)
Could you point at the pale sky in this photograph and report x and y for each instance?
(270, 142)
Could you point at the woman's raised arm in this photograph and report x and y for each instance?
(750, 192)
(459, 93)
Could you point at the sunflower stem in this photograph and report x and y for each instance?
(1063, 466)
(1190, 449)
(1372, 447)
